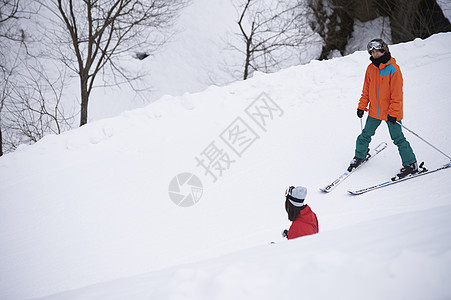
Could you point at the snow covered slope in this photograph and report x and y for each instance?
(88, 215)
(193, 59)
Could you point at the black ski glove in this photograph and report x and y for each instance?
(391, 119)
(360, 113)
(285, 233)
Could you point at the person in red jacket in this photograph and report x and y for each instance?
(382, 90)
(304, 219)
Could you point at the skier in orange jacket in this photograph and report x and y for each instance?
(382, 90)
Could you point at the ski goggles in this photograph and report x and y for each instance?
(288, 191)
(375, 45)
(296, 202)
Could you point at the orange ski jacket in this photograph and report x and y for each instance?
(382, 89)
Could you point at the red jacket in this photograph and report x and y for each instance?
(305, 224)
(382, 89)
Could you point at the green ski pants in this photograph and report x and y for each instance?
(364, 139)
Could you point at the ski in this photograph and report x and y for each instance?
(346, 174)
(390, 182)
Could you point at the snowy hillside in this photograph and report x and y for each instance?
(192, 60)
(207, 48)
(200, 54)
(89, 214)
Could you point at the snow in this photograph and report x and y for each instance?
(377, 28)
(193, 59)
(87, 214)
(445, 5)
(207, 48)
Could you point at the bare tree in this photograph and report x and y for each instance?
(30, 95)
(31, 102)
(5, 75)
(92, 36)
(36, 109)
(3, 96)
(2, 103)
(8, 12)
(269, 31)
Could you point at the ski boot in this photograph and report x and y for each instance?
(355, 162)
(407, 171)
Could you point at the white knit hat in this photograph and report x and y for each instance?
(297, 195)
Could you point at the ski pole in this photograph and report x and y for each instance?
(422, 139)
(361, 124)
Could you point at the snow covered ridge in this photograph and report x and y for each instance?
(87, 214)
